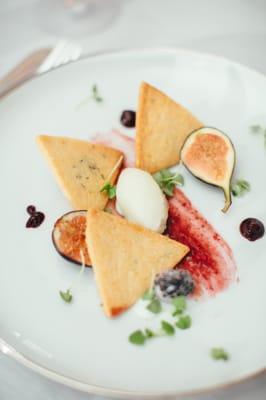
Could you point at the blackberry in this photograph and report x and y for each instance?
(252, 229)
(31, 210)
(173, 283)
(128, 118)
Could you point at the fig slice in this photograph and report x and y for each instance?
(69, 236)
(209, 155)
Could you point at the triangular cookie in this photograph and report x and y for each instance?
(126, 257)
(81, 168)
(162, 127)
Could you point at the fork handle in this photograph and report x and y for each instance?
(23, 71)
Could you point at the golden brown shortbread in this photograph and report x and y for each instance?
(81, 168)
(126, 257)
(162, 125)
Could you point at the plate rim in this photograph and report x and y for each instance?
(7, 349)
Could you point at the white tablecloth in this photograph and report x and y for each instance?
(232, 28)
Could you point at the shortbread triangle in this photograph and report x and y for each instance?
(162, 126)
(126, 257)
(81, 168)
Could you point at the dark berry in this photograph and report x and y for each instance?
(128, 118)
(252, 229)
(173, 283)
(31, 210)
(35, 220)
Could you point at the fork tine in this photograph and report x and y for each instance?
(69, 53)
(63, 52)
(49, 61)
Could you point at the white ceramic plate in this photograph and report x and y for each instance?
(75, 343)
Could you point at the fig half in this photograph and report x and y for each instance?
(209, 155)
(69, 237)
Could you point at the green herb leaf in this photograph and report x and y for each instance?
(240, 187)
(154, 306)
(179, 304)
(66, 296)
(95, 94)
(149, 295)
(167, 328)
(184, 322)
(218, 353)
(149, 334)
(109, 189)
(167, 181)
(137, 337)
(256, 129)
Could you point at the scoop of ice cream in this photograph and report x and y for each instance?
(139, 199)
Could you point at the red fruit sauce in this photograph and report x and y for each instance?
(210, 260)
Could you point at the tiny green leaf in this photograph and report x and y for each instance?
(168, 189)
(109, 189)
(167, 181)
(184, 322)
(149, 333)
(95, 94)
(240, 187)
(149, 295)
(179, 304)
(258, 129)
(218, 353)
(255, 129)
(66, 296)
(154, 306)
(137, 337)
(167, 328)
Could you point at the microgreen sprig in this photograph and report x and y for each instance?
(140, 337)
(154, 305)
(109, 189)
(67, 295)
(260, 130)
(218, 353)
(167, 181)
(179, 304)
(93, 96)
(137, 337)
(167, 328)
(240, 187)
(184, 322)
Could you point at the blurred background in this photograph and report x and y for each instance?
(235, 29)
(232, 28)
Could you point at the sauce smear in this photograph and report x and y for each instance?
(210, 260)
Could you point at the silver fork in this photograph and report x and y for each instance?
(38, 63)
